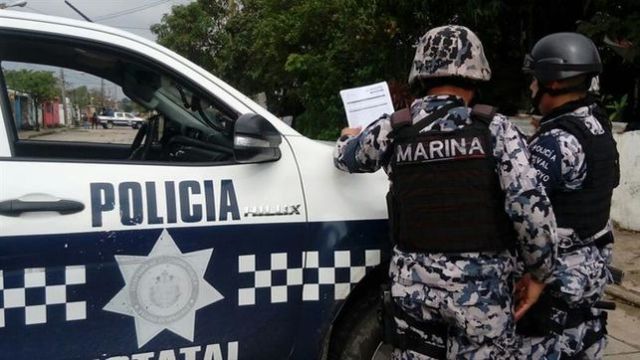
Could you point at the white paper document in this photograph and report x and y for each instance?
(366, 104)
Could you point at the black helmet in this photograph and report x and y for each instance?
(562, 55)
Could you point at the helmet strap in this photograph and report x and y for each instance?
(535, 101)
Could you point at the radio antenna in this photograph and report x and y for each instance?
(78, 11)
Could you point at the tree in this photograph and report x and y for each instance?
(614, 27)
(41, 85)
(301, 53)
(80, 96)
(195, 30)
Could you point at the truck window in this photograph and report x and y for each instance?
(80, 105)
(85, 115)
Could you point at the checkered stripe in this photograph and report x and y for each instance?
(311, 291)
(16, 298)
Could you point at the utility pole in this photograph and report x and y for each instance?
(64, 96)
(101, 94)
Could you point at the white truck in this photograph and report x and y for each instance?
(120, 118)
(219, 233)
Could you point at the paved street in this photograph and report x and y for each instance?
(624, 333)
(119, 135)
(624, 322)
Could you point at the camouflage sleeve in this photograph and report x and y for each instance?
(366, 152)
(526, 202)
(574, 166)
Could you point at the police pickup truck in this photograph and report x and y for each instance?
(120, 118)
(217, 233)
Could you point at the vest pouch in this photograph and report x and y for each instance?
(542, 319)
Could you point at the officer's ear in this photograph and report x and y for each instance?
(555, 85)
(475, 98)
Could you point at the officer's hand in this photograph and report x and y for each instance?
(350, 131)
(528, 291)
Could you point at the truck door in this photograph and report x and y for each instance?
(148, 244)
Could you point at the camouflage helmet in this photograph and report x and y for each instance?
(450, 51)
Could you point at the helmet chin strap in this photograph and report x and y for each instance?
(535, 100)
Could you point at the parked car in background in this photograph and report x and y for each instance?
(120, 118)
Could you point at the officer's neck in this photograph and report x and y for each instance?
(555, 102)
(465, 94)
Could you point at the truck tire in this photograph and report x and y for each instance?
(109, 125)
(358, 335)
(135, 125)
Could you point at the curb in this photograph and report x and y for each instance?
(623, 294)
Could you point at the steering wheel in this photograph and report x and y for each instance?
(139, 150)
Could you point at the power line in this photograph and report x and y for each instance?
(131, 10)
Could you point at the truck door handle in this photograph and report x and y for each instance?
(16, 207)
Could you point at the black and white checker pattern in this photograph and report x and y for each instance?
(340, 276)
(52, 295)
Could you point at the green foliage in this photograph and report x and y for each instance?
(618, 21)
(301, 53)
(195, 30)
(80, 96)
(41, 85)
(616, 107)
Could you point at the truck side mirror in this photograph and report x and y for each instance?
(255, 140)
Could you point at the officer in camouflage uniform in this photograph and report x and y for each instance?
(576, 160)
(462, 196)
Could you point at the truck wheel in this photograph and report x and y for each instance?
(358, 335)
(135, 125)
(110, 125)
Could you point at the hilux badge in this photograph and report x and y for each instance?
(272, 210)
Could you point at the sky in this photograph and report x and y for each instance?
(135, 16)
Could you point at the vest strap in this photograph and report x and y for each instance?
(403, 125)
(401, 118)
(483, 112)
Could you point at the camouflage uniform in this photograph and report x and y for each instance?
(471, 292)
(581, 273)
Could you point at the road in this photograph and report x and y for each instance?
(624, 333)
(117, 135)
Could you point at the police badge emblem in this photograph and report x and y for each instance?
(164, 289)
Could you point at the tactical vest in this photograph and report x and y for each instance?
(586, 210)
(445, 194)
